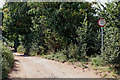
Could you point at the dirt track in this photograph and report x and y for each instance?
(36, 67)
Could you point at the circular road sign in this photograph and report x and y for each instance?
(101, 22)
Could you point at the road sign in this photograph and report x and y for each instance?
(101, 22)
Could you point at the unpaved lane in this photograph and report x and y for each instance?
(36, 67)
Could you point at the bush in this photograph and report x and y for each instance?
(88, 39)
(8, 61)
(11, 44)
(60, 56)
(97, 61)
(32, 53)
(0, 60)
(111, 52)
(21, 49)
(73, 51)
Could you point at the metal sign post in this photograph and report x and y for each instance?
(101, 23)
(102, 39)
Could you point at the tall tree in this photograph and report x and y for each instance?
(17, 22)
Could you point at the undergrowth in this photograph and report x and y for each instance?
(7, 62)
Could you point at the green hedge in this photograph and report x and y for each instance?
(7, 61)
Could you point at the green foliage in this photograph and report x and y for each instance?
(21, 49)
(17, 22)
(73, 52)
(55, 23)
(11, 44)
(111, 53)
(64, 31)
(97, 61)
(55, 26)
(46, 25)
(32, 53)
(7, 62)
(0, 10)
(88, 39)
(59, 56)
(68, 17)
(0, 59)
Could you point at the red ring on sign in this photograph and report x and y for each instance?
(101, 19)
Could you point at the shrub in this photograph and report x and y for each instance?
(58, 56)
(11, 44)
(21, 49)
(0, 60)
(61, 56)
(97, 61)
(73, 51)
(88, 39)
(8, 61)
(32, 53)
(111, 52)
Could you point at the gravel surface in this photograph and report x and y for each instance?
(36, 67)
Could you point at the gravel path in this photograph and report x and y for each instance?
(36, 67)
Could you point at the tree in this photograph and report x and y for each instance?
(58, 22)
(17, 22)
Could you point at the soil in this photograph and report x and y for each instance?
(37, 67)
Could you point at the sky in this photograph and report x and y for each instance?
(102, 1)
(1, 3)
